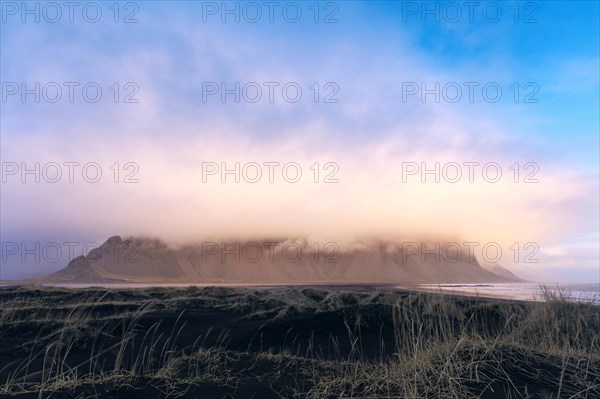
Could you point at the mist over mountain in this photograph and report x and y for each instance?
(281, 261)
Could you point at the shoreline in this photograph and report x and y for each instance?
(517, 291)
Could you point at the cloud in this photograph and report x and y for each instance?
(370, 136)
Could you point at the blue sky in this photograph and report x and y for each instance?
(370, 54)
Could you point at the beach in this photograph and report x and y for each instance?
(314, 342)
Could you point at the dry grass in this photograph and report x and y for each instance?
(94, 342)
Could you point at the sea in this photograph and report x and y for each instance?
(589, 292)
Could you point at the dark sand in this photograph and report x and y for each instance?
(264, 342)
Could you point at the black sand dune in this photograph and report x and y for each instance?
(294, 343)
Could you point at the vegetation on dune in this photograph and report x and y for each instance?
(297, 343)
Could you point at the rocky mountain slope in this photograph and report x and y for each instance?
(277, 261)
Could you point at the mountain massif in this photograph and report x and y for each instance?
(139, 260)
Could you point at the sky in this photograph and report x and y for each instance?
(348, 120)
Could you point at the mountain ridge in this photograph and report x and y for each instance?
(142, 260)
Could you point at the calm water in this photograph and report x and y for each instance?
(520, 291)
